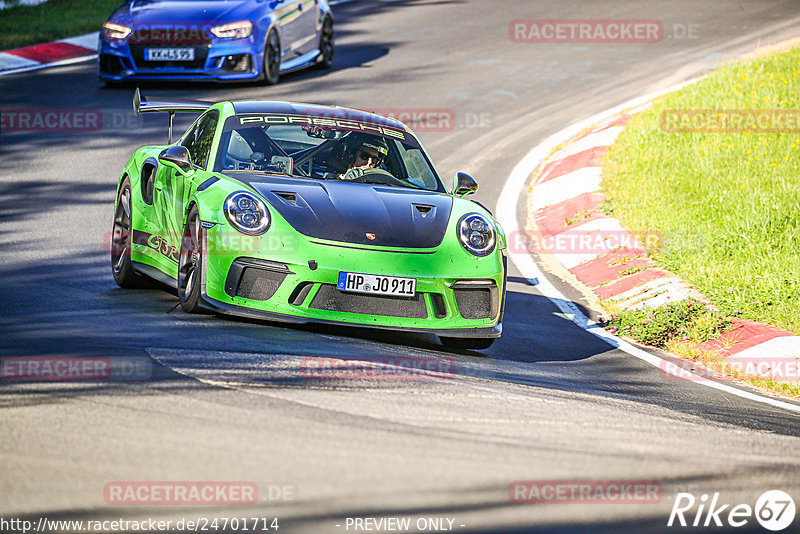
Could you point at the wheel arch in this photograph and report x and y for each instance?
(191, 204)
(121, 179)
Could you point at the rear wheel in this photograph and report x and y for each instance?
(121, 240)
(326, 45)
(190, 263)
(467, 343)
(272, 59)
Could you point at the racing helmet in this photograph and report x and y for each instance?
(357, 141)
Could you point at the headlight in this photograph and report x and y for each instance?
(477, 234)
(247, 213)
(115, 31)
(234, 30)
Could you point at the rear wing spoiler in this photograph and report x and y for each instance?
(142, 105)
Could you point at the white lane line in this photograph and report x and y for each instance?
(507, 210)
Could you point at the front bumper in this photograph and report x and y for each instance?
(222, 61)
(295, 280)
(240, 311)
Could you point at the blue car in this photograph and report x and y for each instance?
(217, 40)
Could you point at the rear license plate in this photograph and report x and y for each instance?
(377, 285)
(169, 54)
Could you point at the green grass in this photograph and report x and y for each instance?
(684, 321)
(53, 20)
(727, 204)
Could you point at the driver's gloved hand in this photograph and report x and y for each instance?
(353, 174)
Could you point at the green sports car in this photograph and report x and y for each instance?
(304, 213)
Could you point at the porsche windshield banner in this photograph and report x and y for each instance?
(332, 123)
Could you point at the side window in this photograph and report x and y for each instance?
(199, 139)
(418, 168)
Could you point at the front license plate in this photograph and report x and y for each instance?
(377, 285)
(169, 54)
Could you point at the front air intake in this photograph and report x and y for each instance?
(330, 298)
(477, 299)
(255, 279)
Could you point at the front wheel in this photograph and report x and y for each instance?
(467, 343)
(272, 59)
(190, 262)
(326, 45)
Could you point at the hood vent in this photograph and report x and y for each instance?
(289, 197)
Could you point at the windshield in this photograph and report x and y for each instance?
(324, 148)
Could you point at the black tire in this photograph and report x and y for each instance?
(190, 261)
(121, 239)
(326, 46)
(467, 343)
(271, 68)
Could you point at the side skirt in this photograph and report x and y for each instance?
(300, 62)
(154, 273)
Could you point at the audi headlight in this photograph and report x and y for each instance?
(247, 213)
(234, 30)
(477, 234)
(115, 31)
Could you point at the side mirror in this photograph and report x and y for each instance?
(464, 184)
(178, 158)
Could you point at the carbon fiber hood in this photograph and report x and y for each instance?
(354, 212)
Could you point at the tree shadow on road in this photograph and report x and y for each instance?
(71, 306)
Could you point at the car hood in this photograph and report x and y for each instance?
(358, 213)
(169, 13)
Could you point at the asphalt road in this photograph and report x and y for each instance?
(231, 400)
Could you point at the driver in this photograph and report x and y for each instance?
(363, 152)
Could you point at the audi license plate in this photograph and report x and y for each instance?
(169, 54)
(377, 285)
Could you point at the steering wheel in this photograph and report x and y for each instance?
(384, 177)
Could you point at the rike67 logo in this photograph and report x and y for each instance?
(774, 510)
